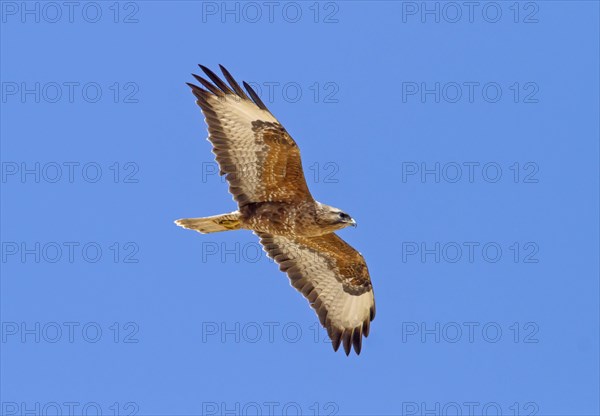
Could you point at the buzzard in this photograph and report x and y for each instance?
(262, 165)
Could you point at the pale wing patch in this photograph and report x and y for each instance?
(259, 158)
(239, 154)
(346, 314)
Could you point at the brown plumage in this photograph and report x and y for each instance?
(262, 165)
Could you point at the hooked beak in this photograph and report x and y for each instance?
(353, 223)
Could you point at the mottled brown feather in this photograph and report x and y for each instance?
(329, 273)
(260, 159)
(262, 165)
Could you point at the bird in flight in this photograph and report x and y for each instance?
(262, 165)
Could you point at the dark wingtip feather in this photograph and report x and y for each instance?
(192, 86)
(366, 327)
(336, 338)
(236, 87)
(357, 340)
(219, 88)
(255, 96)
(346, 335)
(215, 78)
(208, 85)
(196, 90)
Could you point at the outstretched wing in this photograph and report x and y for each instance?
(261, 160)
(333, 277)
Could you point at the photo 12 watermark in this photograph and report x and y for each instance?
(69, 252)
(317, 92)
(270, 408)
(470, 252)
(21, 172)
(465, 408)
(57, 12)
(456, 12)
(247, 252)
(271, 332)
(70, 332)
(470, 172)
(250, 12)
(326, 172)
(61, 92)
(470, 332)
(69, 408)
(470, 92)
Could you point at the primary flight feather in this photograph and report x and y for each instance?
(262, 165)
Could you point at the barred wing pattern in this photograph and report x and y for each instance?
(334, 278)
(260, 159)
(262, 163)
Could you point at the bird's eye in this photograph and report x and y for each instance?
(344, 216)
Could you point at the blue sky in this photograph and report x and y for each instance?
(463, 139)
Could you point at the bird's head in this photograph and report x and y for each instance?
(334, 218)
